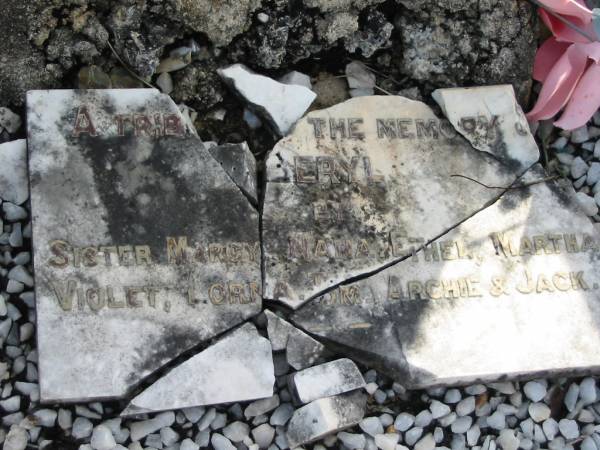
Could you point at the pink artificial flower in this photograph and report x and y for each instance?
(568, 65)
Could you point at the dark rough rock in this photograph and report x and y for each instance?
(21, 66)
(467, 42)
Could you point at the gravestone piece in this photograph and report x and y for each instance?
(363, 184)
(143, 246)
(520, 301)
(239, 367)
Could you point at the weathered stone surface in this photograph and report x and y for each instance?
(143, 245)
(220, 21)
(301, 349)
(325, 380)
(14, 186)
(360, 186)
(240, 164)
(492, 120)
(324, 416)
(521, 300)
(239, 367)
(281, 104)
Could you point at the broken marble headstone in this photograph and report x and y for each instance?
(364, 184)
(301, 349)
(325, 380)
(143, 246)
(281, 104)
(520, 300)
(239, 367)
(491, 119)
(240, 164)
(14, 186)
(324, 416)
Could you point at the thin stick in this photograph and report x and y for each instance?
(565, 21)
(127, 68)
(506, 188)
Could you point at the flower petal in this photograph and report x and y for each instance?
(564, 33)
(559, 83)
(547, 55)
(573, 8)
(584, 102)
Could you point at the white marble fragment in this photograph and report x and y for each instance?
(239, 367)
(14, 186)
(325, 380)
(492, 120)
(281, 104)
(324, 416)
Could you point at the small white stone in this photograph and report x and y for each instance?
(165, 83)
(534, 391)
(371, 388)
(426, 443)
(438, 409)
(587, 389)
(194, 414)
(263, 435)
(550, 427)
(281, 414)
(352, 441)
(462, 424)
(571, 396)
(413, 435)
(588, 444)
(16, 439)
(465, 406)
(236, 431)
(447, 420)
(102, 438)
(262, 17)
(371, 425)
(588, 204)
(46, 417)
(387, 441)
(539, 411)
(452, 396)
(568, 428)
(506, 387)
(404, 421)
(82, 428)
(168, 436)
(593, 174)
(507, 440)
(188, 444)
(220, 442)
(65, 419)
(475, 389)
(579, 167)
(143, 428)
(580, 135)
(473, 435)
(560, 143)
(597, 149)
(359, 76)
(423, 419)
(497, 420)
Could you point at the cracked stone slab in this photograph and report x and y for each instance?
(301, 349)
(521, 301)
(14, 186)
(361, 185)
(324, 416)
(143, 246)
(239, 367)
(240, 164)
(492, 120)
(325, 380)
(281, 104)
